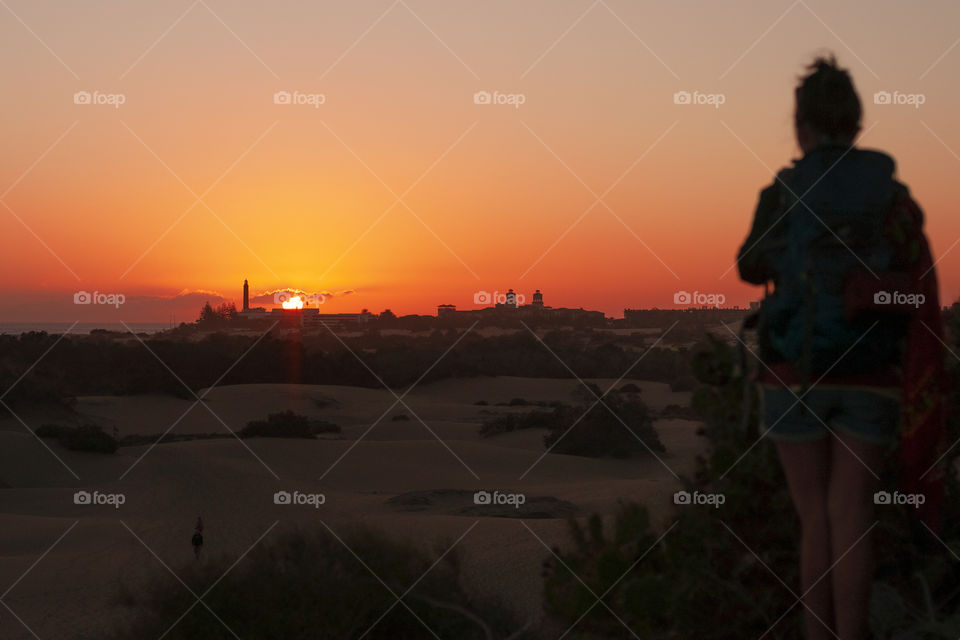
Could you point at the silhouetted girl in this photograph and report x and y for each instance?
(849, 343)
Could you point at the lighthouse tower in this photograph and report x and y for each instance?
(246, 296)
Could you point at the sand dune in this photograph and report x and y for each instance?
(232, 484)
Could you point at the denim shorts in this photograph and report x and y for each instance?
(870, 414)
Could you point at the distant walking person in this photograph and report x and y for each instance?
(849, 343)
(197, 538)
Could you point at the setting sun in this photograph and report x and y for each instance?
(296, 302)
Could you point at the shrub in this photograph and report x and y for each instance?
(322, 402)
(617, 427)
(287, 424)
(52, 430)
(87, 437)
(311, 586)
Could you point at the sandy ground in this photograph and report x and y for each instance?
(366, 473)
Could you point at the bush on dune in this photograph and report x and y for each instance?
(620, 426)
(287, 424)
(617, 426)
(87, 437)
(52, 430)
(310, 586)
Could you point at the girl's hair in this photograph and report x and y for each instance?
(827, 100)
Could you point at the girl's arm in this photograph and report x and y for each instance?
(751, 257)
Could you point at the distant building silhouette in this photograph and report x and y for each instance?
(508, 306)
(307, 317)
(246, 312)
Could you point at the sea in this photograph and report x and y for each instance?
(81, 328)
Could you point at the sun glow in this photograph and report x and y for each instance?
(293, 303)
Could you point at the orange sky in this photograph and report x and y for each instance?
(493, 196)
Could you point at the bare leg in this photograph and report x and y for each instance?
(807, 467)
(850, 499)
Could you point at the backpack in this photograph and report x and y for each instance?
(829, 227)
